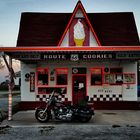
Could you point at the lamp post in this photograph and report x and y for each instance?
(11, 83)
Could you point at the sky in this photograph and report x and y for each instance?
(10, 13)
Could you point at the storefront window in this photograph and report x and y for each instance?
(42, 76)
(96, 76)
(61, 76)
(113, 76)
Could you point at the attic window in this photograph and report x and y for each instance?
(79, 14)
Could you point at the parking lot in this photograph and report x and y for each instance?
(101, 117)
(106, 124)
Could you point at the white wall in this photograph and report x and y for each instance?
(128, 94)
(26, 95)
(130, 90)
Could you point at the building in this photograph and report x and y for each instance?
(83, 54)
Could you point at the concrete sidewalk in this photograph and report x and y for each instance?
(102, 117)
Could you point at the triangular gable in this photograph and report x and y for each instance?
(79, 6)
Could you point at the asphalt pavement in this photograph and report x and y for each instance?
(71, 132)
(101, 117)
(105, 125)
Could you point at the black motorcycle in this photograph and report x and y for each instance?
(58, 110)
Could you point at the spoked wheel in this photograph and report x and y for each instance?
(42, 116)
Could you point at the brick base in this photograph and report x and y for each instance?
(98, 105)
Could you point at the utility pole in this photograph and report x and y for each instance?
(10, 91)
(10, 85)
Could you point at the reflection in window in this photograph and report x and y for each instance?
(61, 76)
(42, 75)
(114, 76)
(110, 78)
(96, 76)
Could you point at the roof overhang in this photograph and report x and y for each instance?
(75, 53)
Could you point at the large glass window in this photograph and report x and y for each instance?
(113, 76)
(96, 76)
(61, 76)
(42, 76)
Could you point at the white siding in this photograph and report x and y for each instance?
(128, 94)
(130, 90)
(26, 95)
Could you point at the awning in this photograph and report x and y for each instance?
(73, 53)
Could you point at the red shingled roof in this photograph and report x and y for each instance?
(46, 29)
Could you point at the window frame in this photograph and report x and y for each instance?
(37, 71)
(44, 90)
(57, 73)
(101, 77)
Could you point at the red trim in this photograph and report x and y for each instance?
(86, 84)
(47, 87)
(57, 69)
(79, 5)
(53, 49)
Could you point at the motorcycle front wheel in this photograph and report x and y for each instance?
(42, 116)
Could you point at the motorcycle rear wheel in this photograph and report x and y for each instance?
(42, 116)
(85, 119)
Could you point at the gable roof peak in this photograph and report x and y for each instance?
(77, 7)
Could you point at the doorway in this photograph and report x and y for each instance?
(79, 88)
